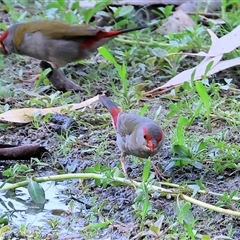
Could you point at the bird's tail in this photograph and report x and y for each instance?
(101, 35)
(113, 33)
(111, 107)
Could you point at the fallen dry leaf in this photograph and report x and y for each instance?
(222, 65)
(185, 76)
(21, 115)
(218, 48)
(222, 45)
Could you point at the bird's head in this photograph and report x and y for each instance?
(153, 137)
(2, 38)
(11, 39)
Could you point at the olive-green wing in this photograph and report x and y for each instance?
(54, 29)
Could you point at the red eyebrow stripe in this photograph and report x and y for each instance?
(160, 137)
(148, 136)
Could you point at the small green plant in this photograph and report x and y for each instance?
(226, 200)
(122, 70)
(185, 217)
(16, 171)
(206, 100)
(36, 119)
(68, 141)
(142, 204)
(51, 100)
(23, 230)
(184, 154)
(53, 223)
(167, 11)
(124, 13)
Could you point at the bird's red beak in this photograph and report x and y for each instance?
(4, 35)
(151, 145)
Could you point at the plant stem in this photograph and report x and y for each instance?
(210, 206)
(152, 188)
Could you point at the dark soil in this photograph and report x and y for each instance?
(94, 143)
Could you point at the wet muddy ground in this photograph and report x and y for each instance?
(74, 208)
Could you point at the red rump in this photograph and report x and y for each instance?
(91, 40)
(100, 35)
(114, 113)
(111, 107)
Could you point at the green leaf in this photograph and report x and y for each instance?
(180, 129)
(98, 225)
(145, 206)
(53, 5)
(208, 68)
(146, 170)
(203, 95)
(143, 110)
(205, 99)
(197, 165)
(195, 189)
(89, 13)
(181, 151)
(106, 54)
(36, 192)
(154, 229)
(190, 230)
(8, 172)
(3, 26)
(175, 108)
(42, 77)
(3, 221)
(3, 230)
(170, 165)
(206, 237)
(3, 125)
(125, 10)
(159, 52)
(184, 214)
(200, 184)
(195, 114)
(62, 4)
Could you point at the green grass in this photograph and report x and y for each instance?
(200, 119)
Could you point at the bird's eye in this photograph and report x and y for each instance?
(145, 137)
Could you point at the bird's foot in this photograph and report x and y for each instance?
(123, 166)
(158, 173)
(33, 79)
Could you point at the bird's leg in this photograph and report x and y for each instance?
(38, 75)
(158, 173)
(123, 160)
(33, 79)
